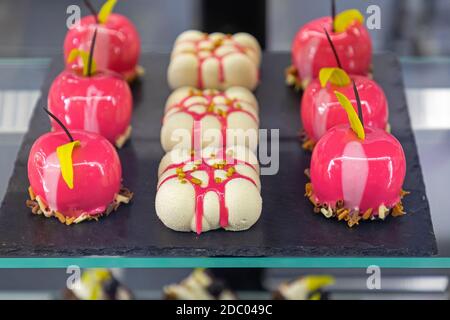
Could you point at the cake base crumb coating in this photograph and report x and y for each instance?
(352, 217)
(38, 207)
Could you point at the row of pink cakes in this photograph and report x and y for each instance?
(357, 166)
(74, 171)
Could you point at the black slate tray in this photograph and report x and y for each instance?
(287, 227)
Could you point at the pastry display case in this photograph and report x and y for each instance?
(177, 134)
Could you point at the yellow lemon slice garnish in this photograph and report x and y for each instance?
(84, 55)
(314, 283)
(355, 122)
(64, 154)
(336, 76)
(106, 10)
(346, 18)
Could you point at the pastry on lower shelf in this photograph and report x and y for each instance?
(199, 285)
(98, 284)
(210, 118)
(214, 61)
(311, 52)
(209, 189)
(118, 43)
(357, 172)
(304, 288)
(85, 99)
(64, 168)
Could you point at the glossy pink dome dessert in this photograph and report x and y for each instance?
(312, 52)
(118, 46)
(97, 176)
(353, 179)
(101, 103)
(321, 110)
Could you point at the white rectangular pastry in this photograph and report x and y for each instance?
(214, 61)
(208, 190)
(200, 118)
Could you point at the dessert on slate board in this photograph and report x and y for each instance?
(199, 285)
(304, 288)
(214, 61)
(98, 284)
(99, 102)
(209, 189)
(118, 45)
(210, 118)
(63, 170)
(311, 51)
(357, 171)
(321, 110)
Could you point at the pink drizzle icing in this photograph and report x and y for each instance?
(213, 186)
(233, 105)
(239, 49)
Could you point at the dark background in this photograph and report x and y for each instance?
(408, 27)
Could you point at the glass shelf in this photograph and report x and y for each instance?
(228, 262)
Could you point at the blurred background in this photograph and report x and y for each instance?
(418, 31)
(409, 27)
(349, 284)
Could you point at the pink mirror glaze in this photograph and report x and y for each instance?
(320, 109)
(101, 103)
(117, 45)
(311, 50)
(97, 173)
(365, 174)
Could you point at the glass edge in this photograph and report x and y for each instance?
(435, 59)
(254, 262)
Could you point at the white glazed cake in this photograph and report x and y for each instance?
(205, 118)
(208, 190)
(214, 61)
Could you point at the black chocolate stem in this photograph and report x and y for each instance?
(91, 53)
(333, 13)
(60, 123)
(91, 8)
(358, 101)
(333, 48)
